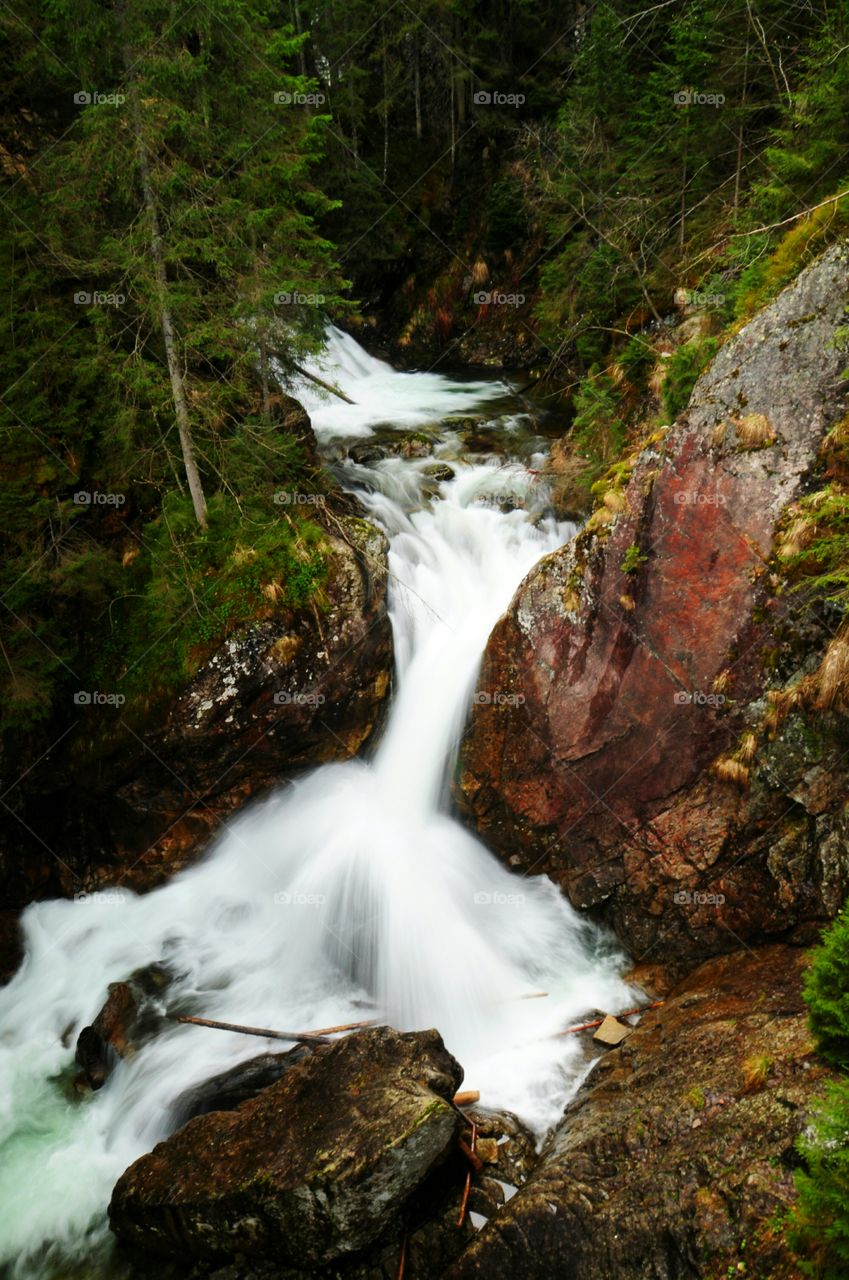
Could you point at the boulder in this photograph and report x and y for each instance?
(131, 1013)
(314, 1169)
(627, 661)
(678, 1153)
(229, 1089)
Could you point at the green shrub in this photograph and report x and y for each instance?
(682, 371)
(827, 992)
(819, 1226)
(598, 432)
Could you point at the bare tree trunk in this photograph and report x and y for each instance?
(178, 388)
(683, 212)
(417, 89)
(385, 107)
(739, 169)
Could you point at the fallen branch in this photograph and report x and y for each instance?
(319, 382)
(586, 1026)
(477, 1165)
(402, 1261)
(297, 1037)
(469, 1151)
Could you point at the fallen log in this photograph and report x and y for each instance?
(327, 386)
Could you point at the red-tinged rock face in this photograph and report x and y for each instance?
(627, 659)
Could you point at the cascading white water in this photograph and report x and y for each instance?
(353, 885)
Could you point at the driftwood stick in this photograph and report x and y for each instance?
(317, 1037)
(469, 1153)
(319, 382)
(586, 1026)
(295, 1036)
(402, 1261)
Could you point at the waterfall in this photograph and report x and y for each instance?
(353, 886)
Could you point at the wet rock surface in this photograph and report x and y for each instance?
(630, 660)
(677, 1155)
(131, 1014)
(314, 1169)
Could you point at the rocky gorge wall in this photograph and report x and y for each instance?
(632, 662)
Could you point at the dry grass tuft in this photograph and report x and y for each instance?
(832, 677)
(798, 535)
(717, 436)
(748, 748)
(615, 501)
(480, 272)
(729, 769)
(754, 431)
(756, 1071)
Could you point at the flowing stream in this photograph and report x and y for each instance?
(351, 893)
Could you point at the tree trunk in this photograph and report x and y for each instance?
(175, 373)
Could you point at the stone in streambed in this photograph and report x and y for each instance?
(315, 1168)
(130, 1013)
